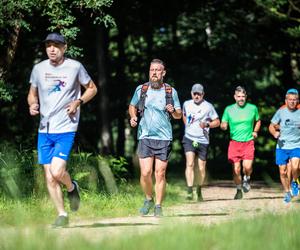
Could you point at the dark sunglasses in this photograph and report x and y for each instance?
(196, 93)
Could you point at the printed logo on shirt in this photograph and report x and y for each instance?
(57, 87)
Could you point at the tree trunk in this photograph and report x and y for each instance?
(109, 179)
(6, 61)
(103, 101)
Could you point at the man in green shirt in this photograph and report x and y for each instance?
(243, 120)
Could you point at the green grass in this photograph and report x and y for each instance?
(40, 210)
(264, 232)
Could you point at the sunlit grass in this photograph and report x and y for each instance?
(264, 232)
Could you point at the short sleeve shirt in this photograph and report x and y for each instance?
(196, 113)
(57, 87)
(289, 122)
(241, 121)
(155, 123)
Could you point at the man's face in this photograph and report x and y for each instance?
(240, 98)
(197, 97)
(55, 51)
(156, 73)
(291, 101)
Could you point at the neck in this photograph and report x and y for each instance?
(58, 62)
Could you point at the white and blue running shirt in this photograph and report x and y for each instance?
(57, 87)
(194, 115)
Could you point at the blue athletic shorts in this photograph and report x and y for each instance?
(283, 155)
(54, 145)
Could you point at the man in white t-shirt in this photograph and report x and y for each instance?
(55, 94)
(198, 116)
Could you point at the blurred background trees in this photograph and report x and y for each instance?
(220, 44)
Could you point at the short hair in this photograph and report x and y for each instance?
(156, 60)
(240, 89)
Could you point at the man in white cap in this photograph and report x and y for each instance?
(55, 94)
(198, 116)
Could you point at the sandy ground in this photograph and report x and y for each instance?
(218, 206)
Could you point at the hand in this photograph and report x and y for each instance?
(133, 121)
(72, 107)
(276, 134)
(204, 125)
(254, 134)
(170, 108)
(34, 109)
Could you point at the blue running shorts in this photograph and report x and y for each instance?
(54, 145)
(283, 155)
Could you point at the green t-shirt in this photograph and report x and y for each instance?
(241, 121)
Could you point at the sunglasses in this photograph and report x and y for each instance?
(197, 93)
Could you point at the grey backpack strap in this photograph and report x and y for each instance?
(169, 96)
(141, 103)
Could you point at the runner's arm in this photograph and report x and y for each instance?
(224, 125)
(33, 101)
(256, 128)
(273, 130)
(132, 110)
(89, 93)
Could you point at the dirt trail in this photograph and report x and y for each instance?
(218, 206)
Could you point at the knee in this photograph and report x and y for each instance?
(189, 165)
(57, 174)
(146, 174)
(160, 174)
(236, 171)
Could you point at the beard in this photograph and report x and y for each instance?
(155, 85)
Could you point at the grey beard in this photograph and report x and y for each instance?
(155, 85)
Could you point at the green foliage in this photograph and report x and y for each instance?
(5, 93)
(15, 171)
(117, 165)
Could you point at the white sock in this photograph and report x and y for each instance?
(63, 214)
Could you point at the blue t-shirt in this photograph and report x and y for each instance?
(155, 123)
(289, 122)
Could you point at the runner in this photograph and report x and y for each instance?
(243, 120)
(154, 132)
(198, 116)
(288, 142)
(55, 95)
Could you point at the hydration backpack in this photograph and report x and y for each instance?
(141, 104)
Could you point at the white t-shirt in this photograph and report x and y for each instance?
(57, 87)
(195, 114)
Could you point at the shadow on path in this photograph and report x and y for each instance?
(117, 224)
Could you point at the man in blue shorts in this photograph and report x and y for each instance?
(198, 116)
(288, 142)
(154, 132)
(55, 94)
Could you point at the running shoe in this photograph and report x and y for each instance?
(148, 204)
(61, 221)
(246, 186)
(294, 187)
(74, 197)
(158, 211)
(287, 197)
(199, 194)
(189, 196)
(238, 195)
